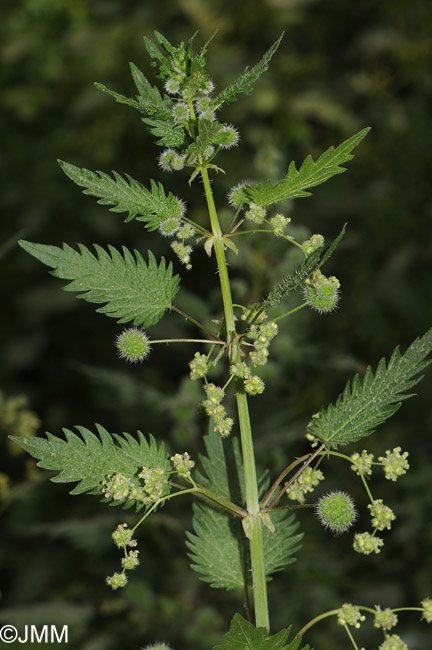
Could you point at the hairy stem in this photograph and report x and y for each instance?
(259, 586)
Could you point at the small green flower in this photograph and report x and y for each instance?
(240, 369)
(427, 610)
(133, 345)
(183, 252)
(199, 366)
(155, 481)
(350, 615)
(385, 618)
(117, 580)
(336, 511)
(122, 536)
(131, 560)
(306, 482)
(223, 426)
(366, 543)
(182, 464)
(382, 515)
(259, 357)
(310, 245)
(255, 213)
(186, 231)
(254, 385)
(393, 642)
(214, 393)
(394, 463)
(362, 463)
(117, 486)
(279, 223)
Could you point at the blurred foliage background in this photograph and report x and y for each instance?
(341, 66)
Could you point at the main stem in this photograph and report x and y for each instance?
(259, 585)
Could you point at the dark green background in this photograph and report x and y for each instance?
(341, 66)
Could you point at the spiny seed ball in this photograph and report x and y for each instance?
(133, 345)
(336, 511)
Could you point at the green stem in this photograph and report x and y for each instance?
(259, 585)
(195, 322)
(315, 620)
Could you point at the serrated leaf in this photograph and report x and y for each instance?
(310, 265)
(131, 290)
(121, 99)
(169, 133)
(309, 175)
(245, 82)
(219, 552)
(365, 405)
(153, 206)
(219, 549)
(149, 96)
(280, 546)
(245, 636)
(89, 458)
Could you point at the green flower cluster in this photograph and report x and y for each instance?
(350, 615)
(155, 482)
(214, 409)
(182, 464)
(253, 384)
(367, 543)
(427, 609)
(122, 537)
(121, 487)
(255, 213)
(279, 224)
(385, 618)
(306, 482)
(261, 334)
(199, 366)
(310, 245)
(395, 464)
(382, 515)
(362, 463)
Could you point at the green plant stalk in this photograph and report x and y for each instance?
(259, 585)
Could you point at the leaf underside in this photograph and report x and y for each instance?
(245, 636)
(310, 174)
(366, 404)
(89, 458)
(129, 289)
(218, 548)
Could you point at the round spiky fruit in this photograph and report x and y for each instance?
(336, 511)
(133, 345)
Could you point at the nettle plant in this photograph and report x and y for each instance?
(244, 527)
